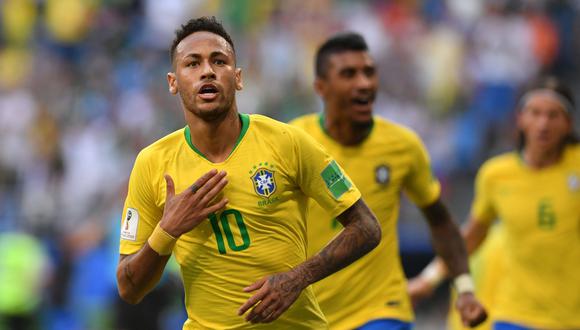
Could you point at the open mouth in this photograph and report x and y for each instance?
(208, 89)
(208, 92)
(363, 100)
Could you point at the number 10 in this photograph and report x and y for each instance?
(223, 219)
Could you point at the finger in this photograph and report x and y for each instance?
(478, 316)
(275, 314)
(215, 207)
(209, 184)
(270, 314)
(170, 187)
(257, 313)
(251, 302)
(256, 285)
(481, 319)
(202, 180)
(214, 191)
(469, 315)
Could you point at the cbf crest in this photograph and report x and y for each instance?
(382, 174)
(573, 182)
(264, 179)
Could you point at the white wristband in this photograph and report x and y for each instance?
(463, 283)
(433, 274)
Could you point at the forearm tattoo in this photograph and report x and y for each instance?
(285, 282)
(360, 235)
(129, 273)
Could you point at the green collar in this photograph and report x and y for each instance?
(321, 123)
(245, 124)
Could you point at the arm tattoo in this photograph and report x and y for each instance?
(285, 282)
(361, 234)
(129, 273)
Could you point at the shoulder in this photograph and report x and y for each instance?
(306, 122)
(157, 150)
(573, 153)
(391, 131)
(275, 130)
(387, 126)
(501, 165)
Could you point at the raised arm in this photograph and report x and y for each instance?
(452, 261)
(138, 273)
(276, 293)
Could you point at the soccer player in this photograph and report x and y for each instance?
(240, 237)
(535, 193)
(383, 159)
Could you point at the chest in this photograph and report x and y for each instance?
(544, 203)
(256, 180)
(378, 171)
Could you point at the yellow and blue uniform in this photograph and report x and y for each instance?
(390, 160)
(540, 215)
(272, 172)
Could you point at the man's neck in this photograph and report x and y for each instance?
(538, 158)
(215, 139)
(344, 132)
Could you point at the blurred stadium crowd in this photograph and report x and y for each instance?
(83, 89)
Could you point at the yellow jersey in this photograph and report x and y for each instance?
(272, 172)
(540, 214)
(390, 160)
(487, 269)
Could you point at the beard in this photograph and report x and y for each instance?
(212, 114)
(361, 125)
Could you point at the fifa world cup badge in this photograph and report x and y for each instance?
(129, 226)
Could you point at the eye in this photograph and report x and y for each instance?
(348, 73)
(192, 64)
(554, 114)
(369, 71)
(219, 61)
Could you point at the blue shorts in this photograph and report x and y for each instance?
(386, 324)
(499, 325)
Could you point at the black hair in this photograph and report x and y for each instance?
(205, 23)
(557, 86)
(343, 42)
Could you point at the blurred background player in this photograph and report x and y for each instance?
(535, 193)
(384, 159)
(240, 239)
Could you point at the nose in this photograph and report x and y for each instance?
(544, 121)
(363, 82)
(207, 71)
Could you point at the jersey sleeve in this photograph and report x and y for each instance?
(421, 186)
(482, 208)
(321, 177)
(140, 213)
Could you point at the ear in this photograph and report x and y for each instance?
(238, 79)
(320, 86)
(172, 82)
